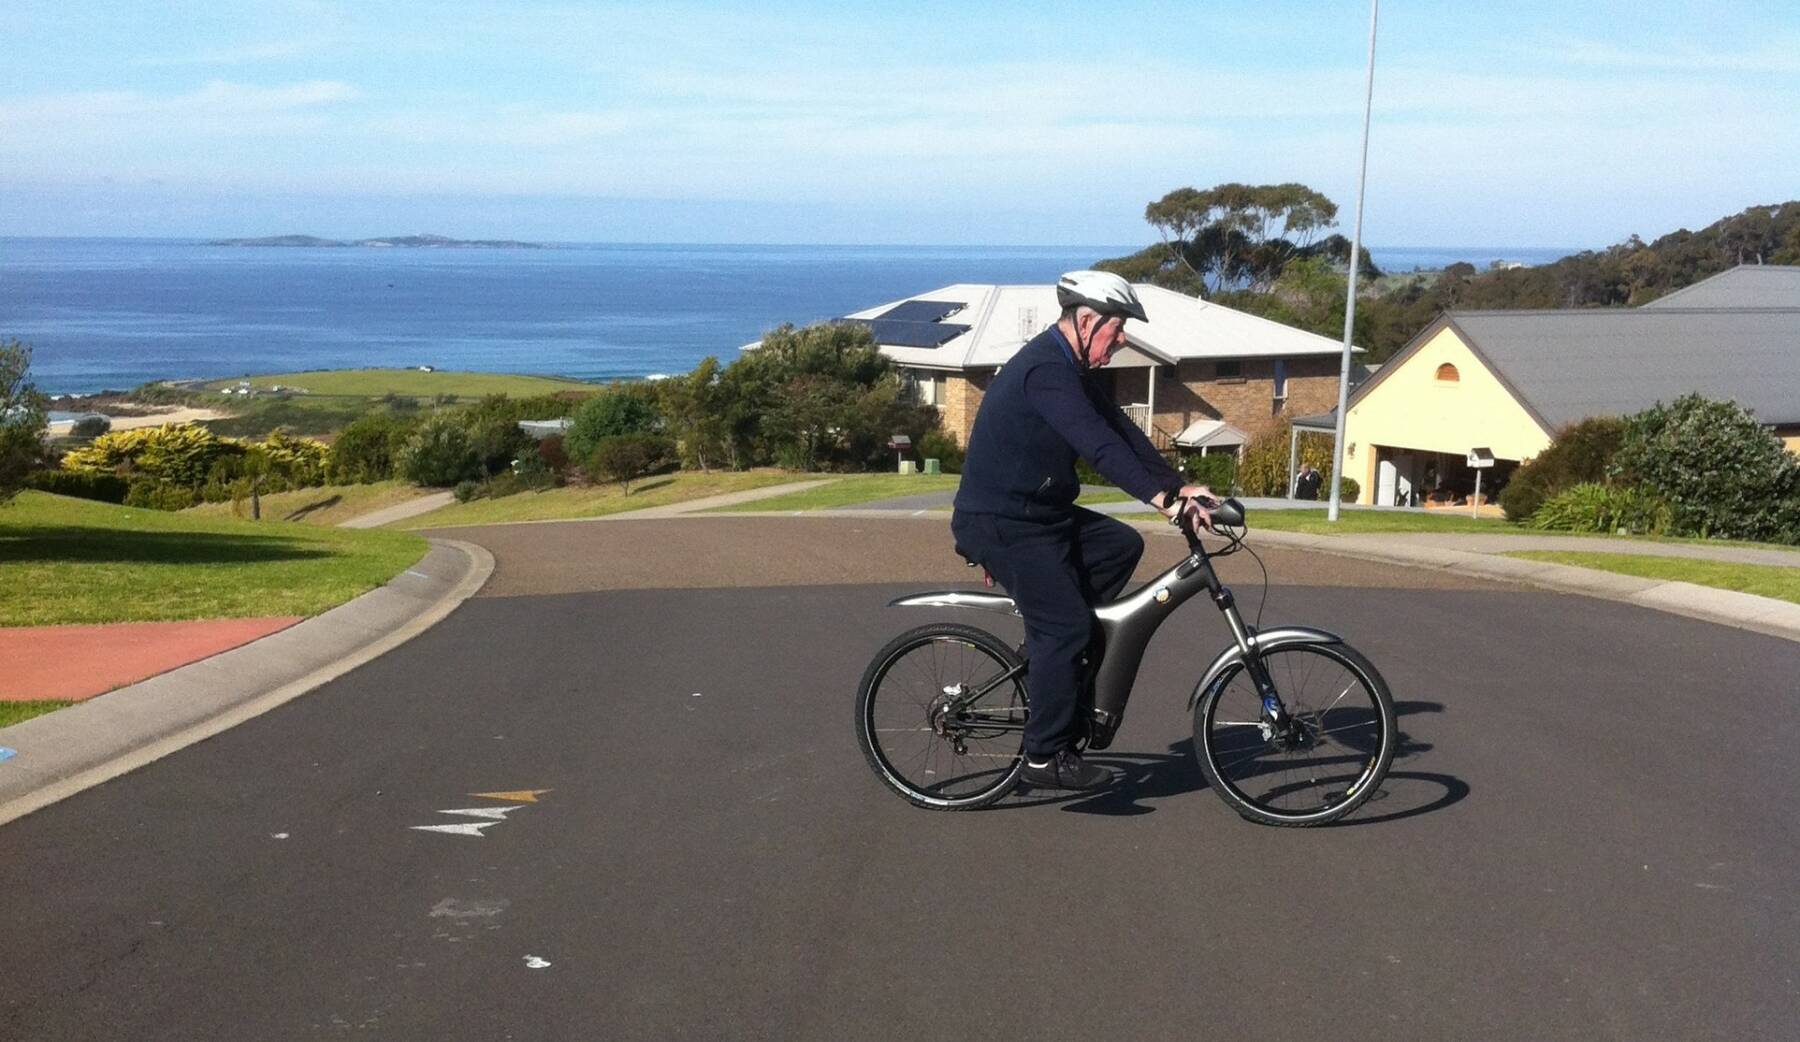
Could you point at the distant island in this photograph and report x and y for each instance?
(431, 242)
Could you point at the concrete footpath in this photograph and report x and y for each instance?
(50, 757)
(1482, 556)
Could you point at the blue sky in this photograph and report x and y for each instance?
(1518, 124)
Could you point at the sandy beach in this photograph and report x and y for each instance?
(125, 423)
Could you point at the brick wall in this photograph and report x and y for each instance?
(962, 397)
(1194, 391)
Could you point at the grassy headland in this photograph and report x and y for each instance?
(414, 383)
(78, 561)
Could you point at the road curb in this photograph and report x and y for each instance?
(1745, 611)
(65, 752)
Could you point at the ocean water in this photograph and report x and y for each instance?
(115, 313)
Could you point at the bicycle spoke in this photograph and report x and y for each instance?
(1307, 771)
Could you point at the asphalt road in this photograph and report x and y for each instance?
(1589, 834)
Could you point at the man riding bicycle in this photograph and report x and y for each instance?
(1016, 515)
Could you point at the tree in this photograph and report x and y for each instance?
(1236, 234)
(623, 457)
(694, 408)
(24, 413)
(623, 408)
(365, 450)
(439, 453)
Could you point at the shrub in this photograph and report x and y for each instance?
(299, 462)
(438, 453)
(623, 457)
(1723, 473)
(90, 427)
(181, 455)
(365, 450)
(530, 471)
(467, 490)
(106, 488)
(935, 444)
(152, 494)
(1215, 470)
(1591, 507)
(1581, 453)
(1263, 470)
(551, 451)
(623, 408)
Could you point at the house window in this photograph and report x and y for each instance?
(1232, 370)
(926, 388)
(1447, 373)
(1280, 380)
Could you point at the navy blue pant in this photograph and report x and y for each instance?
(1056, 571)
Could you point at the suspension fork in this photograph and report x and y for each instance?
(1245, 637)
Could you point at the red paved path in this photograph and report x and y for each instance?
(76, 662)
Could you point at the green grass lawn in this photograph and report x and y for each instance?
(599, 500)
(1360, 522)
(15, 712)
(1764, 580)
(846, 490)
(327, 505)
(76, 561)
(373, 383)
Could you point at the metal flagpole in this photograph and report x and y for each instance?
(1362, 178)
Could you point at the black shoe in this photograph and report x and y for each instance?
(1064, 771)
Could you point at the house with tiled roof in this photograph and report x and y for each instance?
(1508, 381)
(1196, 376)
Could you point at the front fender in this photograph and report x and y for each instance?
(1267, 640)
(958, 599)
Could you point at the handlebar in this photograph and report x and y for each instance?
(1227, 512)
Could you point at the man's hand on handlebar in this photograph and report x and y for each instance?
(1197, 501)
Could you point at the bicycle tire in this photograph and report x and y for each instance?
(1227, 749)
(915, 694)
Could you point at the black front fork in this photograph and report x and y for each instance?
(1274, 713)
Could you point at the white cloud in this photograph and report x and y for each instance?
(217, 99)
(242, 54)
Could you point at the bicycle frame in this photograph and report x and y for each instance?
(1127, 624)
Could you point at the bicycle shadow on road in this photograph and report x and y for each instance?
(1144, 778)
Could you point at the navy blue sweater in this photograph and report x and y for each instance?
(1038, 415)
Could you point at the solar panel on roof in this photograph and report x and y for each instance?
(895, 333)
(921, 311)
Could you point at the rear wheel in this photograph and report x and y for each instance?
(1329, 759)
(940, 716)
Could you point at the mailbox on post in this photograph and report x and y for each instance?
(901, 444)
(1479, 460)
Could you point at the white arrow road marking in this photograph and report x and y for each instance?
(536, 963)
(471, 828)
(492, 813)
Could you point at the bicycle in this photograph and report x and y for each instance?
(1292, 726)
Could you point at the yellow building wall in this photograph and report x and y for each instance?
(1790, 436)
(1412, 409)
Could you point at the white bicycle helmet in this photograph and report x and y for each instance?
(1101, 290)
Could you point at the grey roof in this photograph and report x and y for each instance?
(1745, 286)
(1568, 365)
(1324, 421)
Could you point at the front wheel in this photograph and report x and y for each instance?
(940, 716)
(1327, 760)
